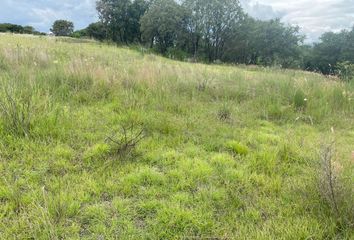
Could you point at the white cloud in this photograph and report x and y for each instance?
(42, 13)
(313, 16)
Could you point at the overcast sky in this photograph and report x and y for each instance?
(313, 16)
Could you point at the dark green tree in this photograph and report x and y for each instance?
(275, 43)
(212, 23)
(328, 52)
(13, 28)
(163, 24)
(121, 18)
(62, 28)
(28, 29)
(97, 31)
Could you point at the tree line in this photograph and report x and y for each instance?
(14, 28)
(204, 30)
(219, 30)
(214, 31)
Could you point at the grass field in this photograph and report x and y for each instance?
(100, 142)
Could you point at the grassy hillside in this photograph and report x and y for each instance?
(221, 152)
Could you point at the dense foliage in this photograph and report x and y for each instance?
(204, 30)
(333, 49)
(121, 18)
(14, 28)
(62, 28)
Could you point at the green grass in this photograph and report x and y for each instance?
(229, 152)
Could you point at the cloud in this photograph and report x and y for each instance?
(260, 11)
(313, 16)
(42, 13)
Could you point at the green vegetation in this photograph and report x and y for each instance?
(218, 31)
(62, 28)
(14, 28)
(100, 142)
(210, 31)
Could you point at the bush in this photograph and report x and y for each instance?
(124, 141)
(345, 71)
(335, 189)
(224, 113)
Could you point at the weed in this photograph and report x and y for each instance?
(224, 113)
(126, 139)
(334, 189)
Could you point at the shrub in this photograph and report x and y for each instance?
(334, 188)
(345, 71)
(124, 141)
(224, 113)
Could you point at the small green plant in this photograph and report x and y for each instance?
(237, 148)
(124, 141)
(300, 100)
(333, 187)
(224, 113)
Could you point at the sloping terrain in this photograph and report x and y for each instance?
(100, 142)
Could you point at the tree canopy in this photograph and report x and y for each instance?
(62, 28)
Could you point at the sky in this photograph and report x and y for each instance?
(313, 16)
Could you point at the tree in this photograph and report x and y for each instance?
(62, 28)
(136, 11)
(328, 52)
(332, 49)
(79, 33)
(28, 30)
(97, 31)
(275, 43)
(13, 28)
(162, 24)
(238, 47)
(121, 18)
(212, 23)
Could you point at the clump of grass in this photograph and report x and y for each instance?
(334, 188)
(203, 84)
(237, 148)
(97, 151)
(224, 113)
(3, 65)
(300, 100)
(16, 111)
